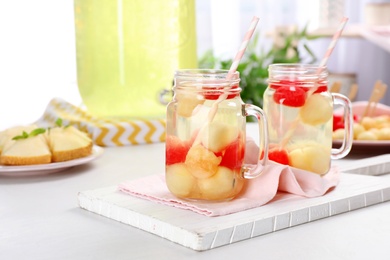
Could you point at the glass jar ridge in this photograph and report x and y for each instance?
(215, 82)
(306, 74)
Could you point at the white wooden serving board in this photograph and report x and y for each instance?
(377, 165)
(200, 232)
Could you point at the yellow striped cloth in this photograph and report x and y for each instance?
(104, 132)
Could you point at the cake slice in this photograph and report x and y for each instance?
(68, 143)
(31, 149)
(10, 133)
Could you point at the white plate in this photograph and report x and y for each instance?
(40, 169)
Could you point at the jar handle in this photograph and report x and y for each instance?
(339, 99)
(252, 171)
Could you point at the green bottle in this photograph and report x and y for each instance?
(127, 52)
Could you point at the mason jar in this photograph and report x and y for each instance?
(206, 136)
(299, 109)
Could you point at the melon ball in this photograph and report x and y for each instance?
(186, 104)
(384, 134)
(315, 158)
(383, 119)
(201, 162)
(218, 135)
(338, 134)
(179, 180)
(367, 135)
(383, 125)
(317, 110)
(375, 131)
(219, 186)
(357, 130)
(367, 122)
(297, 159)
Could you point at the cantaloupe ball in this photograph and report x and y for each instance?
(384, 133)
(375, 131)
(383, 119)
(382, 125)
(179, 180)
(297, 159)
(317, 110)
(338, 134)
(217, 135)
(187, 103)
(201, 162)
(312, 158)
(367, 135)
(357, 130)
(219, 186)
(367, 122)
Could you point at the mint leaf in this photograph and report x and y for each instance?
(58, 122)
(37, 131)
(25, 135)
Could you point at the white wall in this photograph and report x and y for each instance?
(37, 58)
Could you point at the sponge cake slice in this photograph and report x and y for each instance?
(28, 151)
(68, 143)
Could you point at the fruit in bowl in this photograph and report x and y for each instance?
(375, 127)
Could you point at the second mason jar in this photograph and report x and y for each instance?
(299, 109)
(205, 142)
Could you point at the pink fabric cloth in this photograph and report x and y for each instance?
(258, 191)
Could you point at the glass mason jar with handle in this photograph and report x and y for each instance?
(205, 144)
(299, 109)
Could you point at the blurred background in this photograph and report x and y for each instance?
(38, 50)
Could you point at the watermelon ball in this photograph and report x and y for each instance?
(320, 89)
(211, 93)
(175, 150)
(290, 96)
(233, 156)
(279, 156)
(338, 122)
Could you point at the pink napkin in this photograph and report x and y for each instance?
(258, 191)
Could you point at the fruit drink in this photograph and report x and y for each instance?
(127, 52)
(205, 157)
(299, 110)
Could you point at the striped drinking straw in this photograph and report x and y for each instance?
(321, 66)
(243, 46)
(332, 44)
(233, 67)
(330, 49)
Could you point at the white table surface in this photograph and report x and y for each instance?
(40, 219)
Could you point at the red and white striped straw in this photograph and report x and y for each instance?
(330, 49)
(234, 66)
(243, 46)
(332, 44)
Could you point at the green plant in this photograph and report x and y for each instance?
(288, 47)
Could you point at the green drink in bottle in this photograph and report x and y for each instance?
(127, 52)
